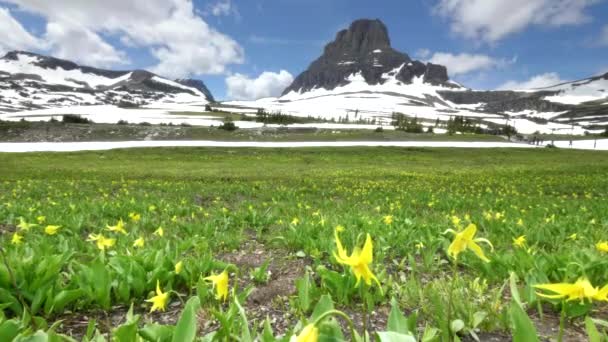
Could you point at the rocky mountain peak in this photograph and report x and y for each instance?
(365, 48)
(363, 36)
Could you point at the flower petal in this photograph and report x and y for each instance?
(478, 251)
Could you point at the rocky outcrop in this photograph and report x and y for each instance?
(197, 84)
(364, 48)
(506, 101)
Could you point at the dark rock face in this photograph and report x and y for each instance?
(197, 84)
(364, 48)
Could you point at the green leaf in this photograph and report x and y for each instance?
(478, 318)
(303, 286)
(592, 332)
(157, 333)
(330, 331)
(185, 330)
(391, 336)
(64, 298)
(325, 304)
(396, 320)
(128, 331)
(267, 334)
(9, 329)
(245, 333)
(430, 334)
(456, 326)
(514, 291)
(522, 328)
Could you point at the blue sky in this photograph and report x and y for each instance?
(486, 44)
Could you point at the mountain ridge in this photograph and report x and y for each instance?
(33, 81)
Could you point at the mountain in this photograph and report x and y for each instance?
(360, 76)
(33, 81)
(365, 48)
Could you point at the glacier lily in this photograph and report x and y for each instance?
(602, 246)
(220, 283)
(139, 243)
(520, 241)
(358, 261)
(466, 240)
(179, 267)
(310, 333)
(51, 229)
(17, 239)
(581, 290)
(24, 226)
(118, 228)
(159, 302)
(101, 241)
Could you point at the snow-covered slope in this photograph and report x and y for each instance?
(590, 89)
(32, 81)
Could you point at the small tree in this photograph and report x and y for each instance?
(228, 125)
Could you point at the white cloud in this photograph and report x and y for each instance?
(268, 84)
(465, 63)
(492, 20)
(538, 81)
(182, 42)
(423, 53)
(222, 8)
(85, 46)
(14, 35)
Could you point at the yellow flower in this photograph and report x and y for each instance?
(159, 302)
(17, 239)
(340, 228)
(388, 219)
(466, 240)
(573, 237)
(179, 267)
(159, 232)
(520, 222)
(134, 217)
(456, 221)
(139, 243)
(41, 219)
(581, 290)
(358, 261)
(295, 221)
(520, 241)
(220, 283)
(118, 228)
(602, 246)
(419, 245)
(310, 333)
(24, 225)
(102, 242)
(51, 230)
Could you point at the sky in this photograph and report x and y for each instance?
(249, 49)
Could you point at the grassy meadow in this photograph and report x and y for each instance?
(327, 244)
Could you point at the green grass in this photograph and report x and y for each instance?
(212, 202)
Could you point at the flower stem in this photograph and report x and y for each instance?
(451, 295)
(348, 320)
(562, 324)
